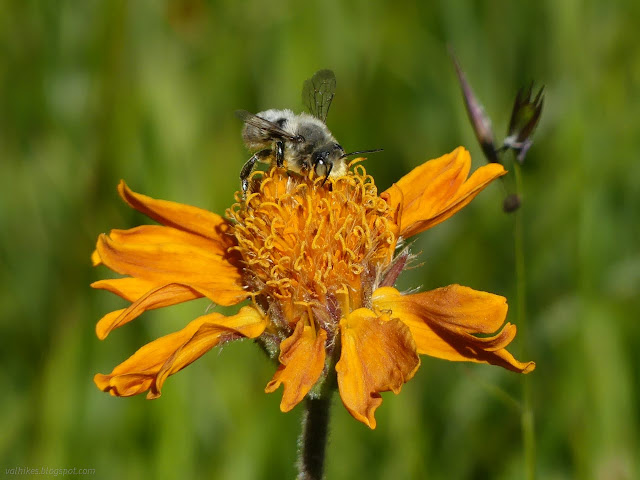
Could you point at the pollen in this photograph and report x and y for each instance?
(313, 249)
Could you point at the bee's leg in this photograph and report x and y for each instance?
(247, 168)
(279, 153)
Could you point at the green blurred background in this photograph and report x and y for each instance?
(95, 91)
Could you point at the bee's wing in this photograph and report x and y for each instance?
(262, 124)
(317, 93)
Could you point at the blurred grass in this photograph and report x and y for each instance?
(95, 91)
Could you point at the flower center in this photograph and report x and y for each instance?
(313, 251)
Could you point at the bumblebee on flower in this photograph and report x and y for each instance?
(315, 259)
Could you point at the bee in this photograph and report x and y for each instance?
(302, 142)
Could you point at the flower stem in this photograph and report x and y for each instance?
(527, 415)
(313, 439)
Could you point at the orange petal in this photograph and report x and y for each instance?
(301, 363)
(378, 355)
(159, 297)
(437, 189)
(129, 288)
(95, 259)
(208, 272)
(180, 216)
(158, 234)
(444, 323)
(149, 367)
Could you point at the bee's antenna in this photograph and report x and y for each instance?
(362, 151)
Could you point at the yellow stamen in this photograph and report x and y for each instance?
(309, 245)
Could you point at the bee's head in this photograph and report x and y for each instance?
(325, 157)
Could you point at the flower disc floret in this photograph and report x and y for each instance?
(308, 244)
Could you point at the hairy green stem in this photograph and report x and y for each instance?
(313, 439)
(527, 419)
(312, 444)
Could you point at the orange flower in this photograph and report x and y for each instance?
(318, 262)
